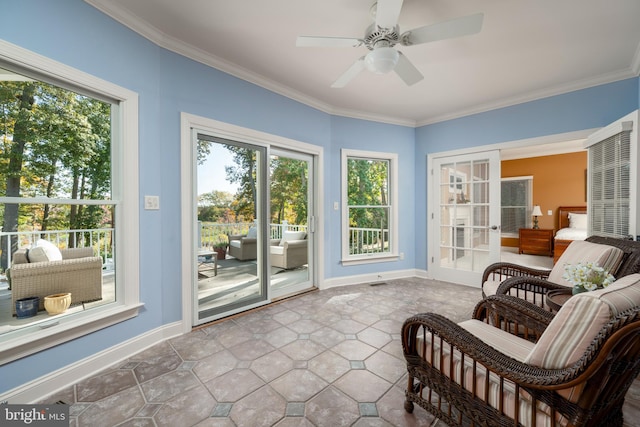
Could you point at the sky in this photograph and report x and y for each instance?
(211, 174)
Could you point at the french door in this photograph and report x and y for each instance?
(465, 216)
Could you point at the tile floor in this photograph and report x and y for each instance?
(328, 358)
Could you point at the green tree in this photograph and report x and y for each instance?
(289, 187)
(215, 206)
(244, 173)
(56, 144)
(368, 192)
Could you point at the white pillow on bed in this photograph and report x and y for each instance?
(577, 220)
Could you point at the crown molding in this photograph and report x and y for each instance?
(177, 46)
(172, 44)
(635, 64)
(535, 95)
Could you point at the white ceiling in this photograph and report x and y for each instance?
(526, 50)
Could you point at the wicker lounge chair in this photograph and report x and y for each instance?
(559, 370)
(79, 272)
(533, 284)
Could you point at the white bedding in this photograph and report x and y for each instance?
(571, 234)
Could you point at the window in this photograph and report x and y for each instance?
(610, 195)
(69, 142)
(516, 201)
(369, 200)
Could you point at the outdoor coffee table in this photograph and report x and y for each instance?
(210, 261)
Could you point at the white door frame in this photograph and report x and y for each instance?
(463, 276)
(311, 222)
(547, 141)
(187, 181)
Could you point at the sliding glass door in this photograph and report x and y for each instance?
(291, 224)
(232, 229)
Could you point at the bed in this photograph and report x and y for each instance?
(572, 225)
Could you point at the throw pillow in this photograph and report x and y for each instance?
(288, 236)
(252, 233)
(37, 254)
(51, 251)
(577, 220)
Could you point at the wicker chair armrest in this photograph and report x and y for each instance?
(528, 376)
(506, 269)
(530, 284)
(514, 315)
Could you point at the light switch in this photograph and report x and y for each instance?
(336, 206)
(152, 203)
(549, 212)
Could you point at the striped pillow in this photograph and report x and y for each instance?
(605, 256)
(580, 319)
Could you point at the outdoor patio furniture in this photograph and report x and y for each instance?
(290, 252)
(571, 369)
(242, 247)
(79, 272)
(618, 256)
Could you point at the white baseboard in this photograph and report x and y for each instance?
(38, 389)
(368, 278)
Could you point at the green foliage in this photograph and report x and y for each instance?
(55, 144)
(367, 184)
(289, 190)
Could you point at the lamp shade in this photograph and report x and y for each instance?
(381, 60)
(536, 211)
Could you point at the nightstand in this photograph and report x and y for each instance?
(536, 241)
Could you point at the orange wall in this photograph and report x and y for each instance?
(558, 180)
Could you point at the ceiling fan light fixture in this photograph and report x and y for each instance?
(381, 60)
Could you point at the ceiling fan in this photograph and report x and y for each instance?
(381, 37)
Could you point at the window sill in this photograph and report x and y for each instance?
(58, 332)
(370, 259)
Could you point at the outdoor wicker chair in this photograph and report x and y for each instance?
(242, 247)
(79, 272)
(618, 256)
(559, 371)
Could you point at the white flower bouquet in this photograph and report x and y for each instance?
(587, 276)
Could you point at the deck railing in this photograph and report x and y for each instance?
(212, 233)
(361, 240)
(100, 239)
(368, 241)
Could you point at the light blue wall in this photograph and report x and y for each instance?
(74, 33)
(579, 110)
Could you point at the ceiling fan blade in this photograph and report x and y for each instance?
(310, 41)
(387, 13)
(407, 71)
(458, 27)
(348, 75)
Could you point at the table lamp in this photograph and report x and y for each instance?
(536, 213)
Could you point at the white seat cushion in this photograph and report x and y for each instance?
(288, 236)
(277, 250)
(235, 244)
